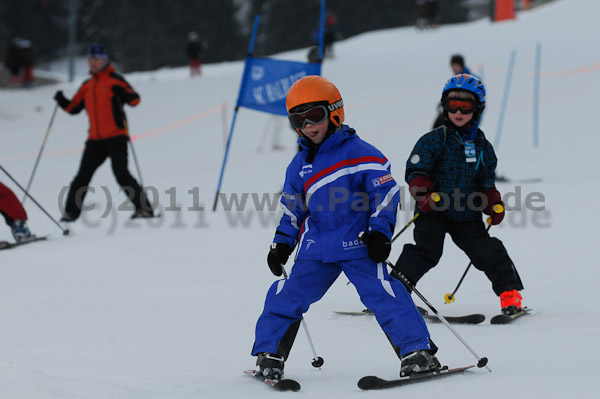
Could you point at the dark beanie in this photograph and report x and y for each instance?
(97, 51)
(457, 59)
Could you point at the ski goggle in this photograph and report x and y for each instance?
(465, 106)
(314, 115)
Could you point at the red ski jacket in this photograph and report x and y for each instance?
(103, 96)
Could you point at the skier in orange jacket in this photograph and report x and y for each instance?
(103, 96)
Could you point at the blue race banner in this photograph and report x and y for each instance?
(267, 82)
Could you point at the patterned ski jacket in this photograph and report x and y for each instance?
(440, 155)
(346, 189)
(103, 96)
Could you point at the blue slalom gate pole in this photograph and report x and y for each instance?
(511, 65)
(321, 30)
(242, 87)
(536, 94)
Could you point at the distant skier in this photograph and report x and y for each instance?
(457, 63)
(457, 161)
(103, 97)
(330, 34)
(20, 56)
(336, 187)
(195, 50)
(425, 14)
(14, 215)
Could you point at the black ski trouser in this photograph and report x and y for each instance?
(488, 254)
(94, 154)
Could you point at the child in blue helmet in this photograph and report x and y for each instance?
(456, 161)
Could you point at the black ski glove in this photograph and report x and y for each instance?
(278, 255)
(378, 245)
(60, 98)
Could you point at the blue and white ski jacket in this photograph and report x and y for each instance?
(348, 188)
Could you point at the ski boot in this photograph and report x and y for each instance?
(270, 365)
(419, 361)
(68, 218)
(142, 214)
(510, 301)
(21, 232)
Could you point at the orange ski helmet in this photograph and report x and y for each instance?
(317, 89)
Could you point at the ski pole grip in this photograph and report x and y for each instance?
(498, 208)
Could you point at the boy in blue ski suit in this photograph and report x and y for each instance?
(336, 187)
(458, 162)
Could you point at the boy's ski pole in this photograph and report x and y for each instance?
(435, 197)
(317, 360)
(37, 161)
(481, 361)
(449, 298)
(65, 231)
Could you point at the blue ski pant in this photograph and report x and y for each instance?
(309, 280)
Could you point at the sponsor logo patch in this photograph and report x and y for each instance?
(352, 244)
(382, 180)
(336, 105)
(288, 197)
(306, 169)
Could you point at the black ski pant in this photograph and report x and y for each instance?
(94, 154)
(487, 253)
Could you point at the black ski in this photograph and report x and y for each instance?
(285, 384)
(504, 179)
(372, 382)
(474, 318)
(8, 245)
(158, 215)
(506, 318)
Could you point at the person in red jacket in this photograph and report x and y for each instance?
(14, 215)
(103, 97)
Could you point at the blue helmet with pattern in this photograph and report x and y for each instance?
(465, 82)
(468, 83)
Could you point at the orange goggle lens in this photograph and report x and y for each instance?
(465, 106)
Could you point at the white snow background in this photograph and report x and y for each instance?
(166, 308)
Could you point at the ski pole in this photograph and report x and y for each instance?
(317, 360)
(37, 161)
(406, 227)
(449, 298)
(481, 361)
(65, 231)
(135, 160)
(435, 197)
(137, 165)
